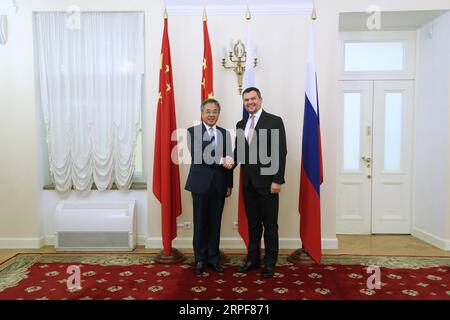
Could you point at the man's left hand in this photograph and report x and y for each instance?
(275, 188)
(229, 190)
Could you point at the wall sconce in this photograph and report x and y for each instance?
(3, 29)
(6, 7)
(236, 61)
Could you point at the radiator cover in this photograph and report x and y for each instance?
(94, 226)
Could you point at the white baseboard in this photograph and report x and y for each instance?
(141, 240)
(436, 241)
(22, 243)
(237, 243)
(183, 243)
(50, 240)
(330, 243)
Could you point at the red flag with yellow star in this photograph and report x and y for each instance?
(207, 86)
(166, 175)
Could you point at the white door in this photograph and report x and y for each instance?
(374, 180)
(392, 153)
(355, 141)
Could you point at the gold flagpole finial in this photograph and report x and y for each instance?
(314, 13)
(248, 15)
(165, 13)
(205, 18)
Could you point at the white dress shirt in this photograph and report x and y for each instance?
(214, 127)
(249, 121)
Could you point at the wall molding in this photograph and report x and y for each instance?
(330, 244)
(237, 243)
(156, 243)
(239, 10)
(436, 241)
(22, 243)
(50, 240)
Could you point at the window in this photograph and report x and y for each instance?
(352, 121)
(373, 56)
(377, 55)
(393, 131)
(90, 82)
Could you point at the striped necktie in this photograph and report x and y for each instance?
(251, 130)
(213, 137)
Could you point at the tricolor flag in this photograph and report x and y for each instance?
(166, 176)
(249, 81)
(207, 87)
(311, 168)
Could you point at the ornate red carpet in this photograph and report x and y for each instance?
(133, 276)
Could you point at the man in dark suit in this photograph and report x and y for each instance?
(261, 150)
(209, 182)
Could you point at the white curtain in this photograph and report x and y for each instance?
(90, 89)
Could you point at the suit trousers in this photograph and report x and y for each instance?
(261, 208)
(208, 208)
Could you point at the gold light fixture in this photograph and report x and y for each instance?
(237, 58)
(236, 61)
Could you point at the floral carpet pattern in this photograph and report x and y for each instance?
(138, 277)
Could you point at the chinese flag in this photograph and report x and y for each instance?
(207, 87)
(166, 176)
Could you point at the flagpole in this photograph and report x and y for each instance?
(301, 256)
(168, 255)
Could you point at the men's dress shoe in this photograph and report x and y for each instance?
(268, 272)
(247, 267)
(199, 268)
(216, 267)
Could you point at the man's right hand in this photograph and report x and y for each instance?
(228, 163)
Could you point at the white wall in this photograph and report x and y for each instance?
(431, 219)
(19, 219)
(25, 209)
(281, 48)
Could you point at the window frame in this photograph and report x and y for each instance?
(141, 177)
(409, 55)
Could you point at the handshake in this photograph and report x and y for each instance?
(228, 163)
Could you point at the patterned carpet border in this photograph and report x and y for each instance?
(15, 269)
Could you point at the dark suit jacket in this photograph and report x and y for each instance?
(204, 169)
(264, 160)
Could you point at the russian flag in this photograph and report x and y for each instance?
(311, 175)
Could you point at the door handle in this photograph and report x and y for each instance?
(366, 159)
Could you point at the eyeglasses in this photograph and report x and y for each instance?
(211, 112)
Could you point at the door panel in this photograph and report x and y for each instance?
(392, 149)
(355, 141)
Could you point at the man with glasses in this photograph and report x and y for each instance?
(210, 183)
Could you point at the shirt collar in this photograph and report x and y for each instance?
(208, 127)
(257, 114)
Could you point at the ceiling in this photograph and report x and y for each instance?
(398, 20)
(236, 2)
